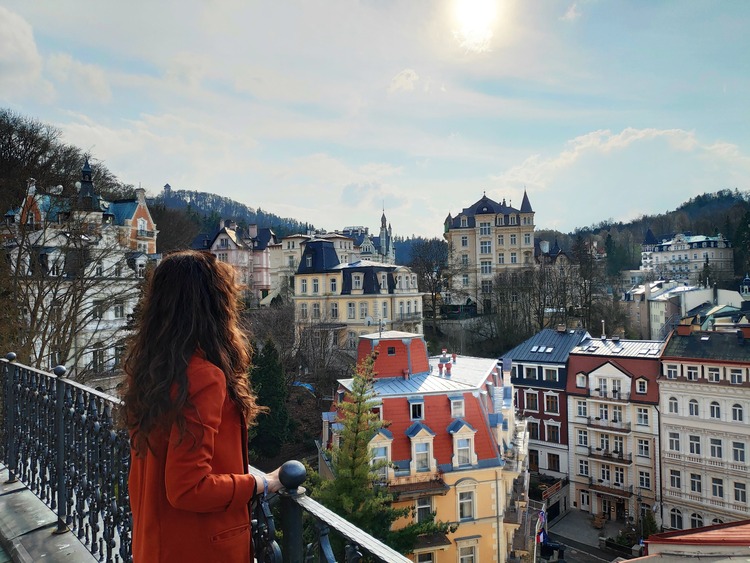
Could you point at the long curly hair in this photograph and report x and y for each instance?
(190, 305)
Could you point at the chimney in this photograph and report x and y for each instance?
(440, 368)
(140, 195)
(448, 367)
(454, 357)
(406, 374)
(684, 330)
(604, 334)
(561, 328)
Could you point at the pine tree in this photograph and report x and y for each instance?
(356, 492)
(273, 427)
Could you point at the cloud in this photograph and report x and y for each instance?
(89, 81)
(572, 13)
(404, 80)
(20, 61)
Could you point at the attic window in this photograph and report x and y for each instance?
(308, 261)
(549, 350)
(705, 338)
(534, 348)
(391, 350)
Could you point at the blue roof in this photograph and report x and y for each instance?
(415, 428)
(323, 257)
(387, 433)
(547, 347)
(482, 207)
(123, 210)
(458, 424)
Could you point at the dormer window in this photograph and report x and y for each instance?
(641, 386)
(223, 242)
(308, 261)
(464, 222)
(357, 281)
(580, 380)
(416, 408)
(457, 407)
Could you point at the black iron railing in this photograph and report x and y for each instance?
(61, 439)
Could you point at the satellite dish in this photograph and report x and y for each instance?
(368, 320)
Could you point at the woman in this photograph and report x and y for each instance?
(187, 406)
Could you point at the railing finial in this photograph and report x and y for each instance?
(59, 371)
(292, 475)
(10, 356)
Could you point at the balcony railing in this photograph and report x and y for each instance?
(613, 425)
(611, 394)
(60, 439)
(611, 455)
(611, 487)
(146, 234)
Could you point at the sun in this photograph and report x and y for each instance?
(475, 20)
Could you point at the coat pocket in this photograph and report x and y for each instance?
(231, 533)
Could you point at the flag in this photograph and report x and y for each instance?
(541, 536)
(541, 520)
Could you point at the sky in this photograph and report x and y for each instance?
(330, 112)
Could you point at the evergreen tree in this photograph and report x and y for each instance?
(356, 492)
(274, 426)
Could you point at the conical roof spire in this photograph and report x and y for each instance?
(525, 204)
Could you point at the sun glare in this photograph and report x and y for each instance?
(475, 20)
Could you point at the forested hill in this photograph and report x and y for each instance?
(210, 208)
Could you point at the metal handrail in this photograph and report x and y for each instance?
(80, 471)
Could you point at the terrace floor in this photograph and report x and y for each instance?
(27, 526)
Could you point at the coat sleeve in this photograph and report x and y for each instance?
(189, 480)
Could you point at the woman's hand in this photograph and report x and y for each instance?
(272, 481)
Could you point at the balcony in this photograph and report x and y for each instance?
(418, 485)
(612, 425)
(611, 488)
(61, 447)
(145, 234)
(611, 455)
(610, 395)
(407, 317)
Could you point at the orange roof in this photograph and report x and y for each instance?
(729, 533)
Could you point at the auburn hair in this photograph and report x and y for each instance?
(190, 305)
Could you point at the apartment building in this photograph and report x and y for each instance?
(539, 377)
(486, 238)
(613, 425)
(683, 256)
(353, 298)
(705, 404)
(456, 447)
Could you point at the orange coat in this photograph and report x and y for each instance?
(190, 500)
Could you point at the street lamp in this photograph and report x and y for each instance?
(639, 500)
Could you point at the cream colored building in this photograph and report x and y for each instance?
(684, 256)
(486, 238)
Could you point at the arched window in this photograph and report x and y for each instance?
(673, 408)
(693, 407)
(717, 520)
(696, 520)
(675, 519)
(715, 410)
(737, 413)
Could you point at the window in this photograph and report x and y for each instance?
(463, 451)
(316, 311)
(303, 286)
(303, 311)
(619, 475)
(550, 374)
(717, 487)
(532, 401)
(582, 408)
(464, 241)
(500, 240)
(671, 371)
(467, 554)
(644, 479)
(696, 520)
(351, 340)
(692, 373)
(485, 247)
(97, 358)
(551, 404)
(580, 380)
(716, 448)
(118, 270)
(715, 410)
(357, 281)
(553, 434)
(641, 386)
(351, 310)
(422, 456)
(675, 478)
(465, 280)
(695, 444)
(583, 438)
(714, 375)
(466, 505)
(315, 285)
(334, 310)
(675, 519)
(417, 410)
(334, 285)
(486, 266)
(605, 472)
(529, 373)
(501, 258)
(740, 492)
(457, 408)
(484, 228)
(527, 239)
(673, 406)
(385, 311)
(363, 310)
(513, 258)
(99, 269)
(693, 407)
(696, 482)
(533, 430)
(735, 376)
(583, 467)
(379, 462)
(644, 448)
(604, 442)
(737, 413)
(674, 441)
(119, 310)
(553, 462)
(738, 452)
(423, 509)
(513, 240)
(642, 416)
(426, 557)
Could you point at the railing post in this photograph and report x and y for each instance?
(62, 493)
(10, 417)
(292, 475)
